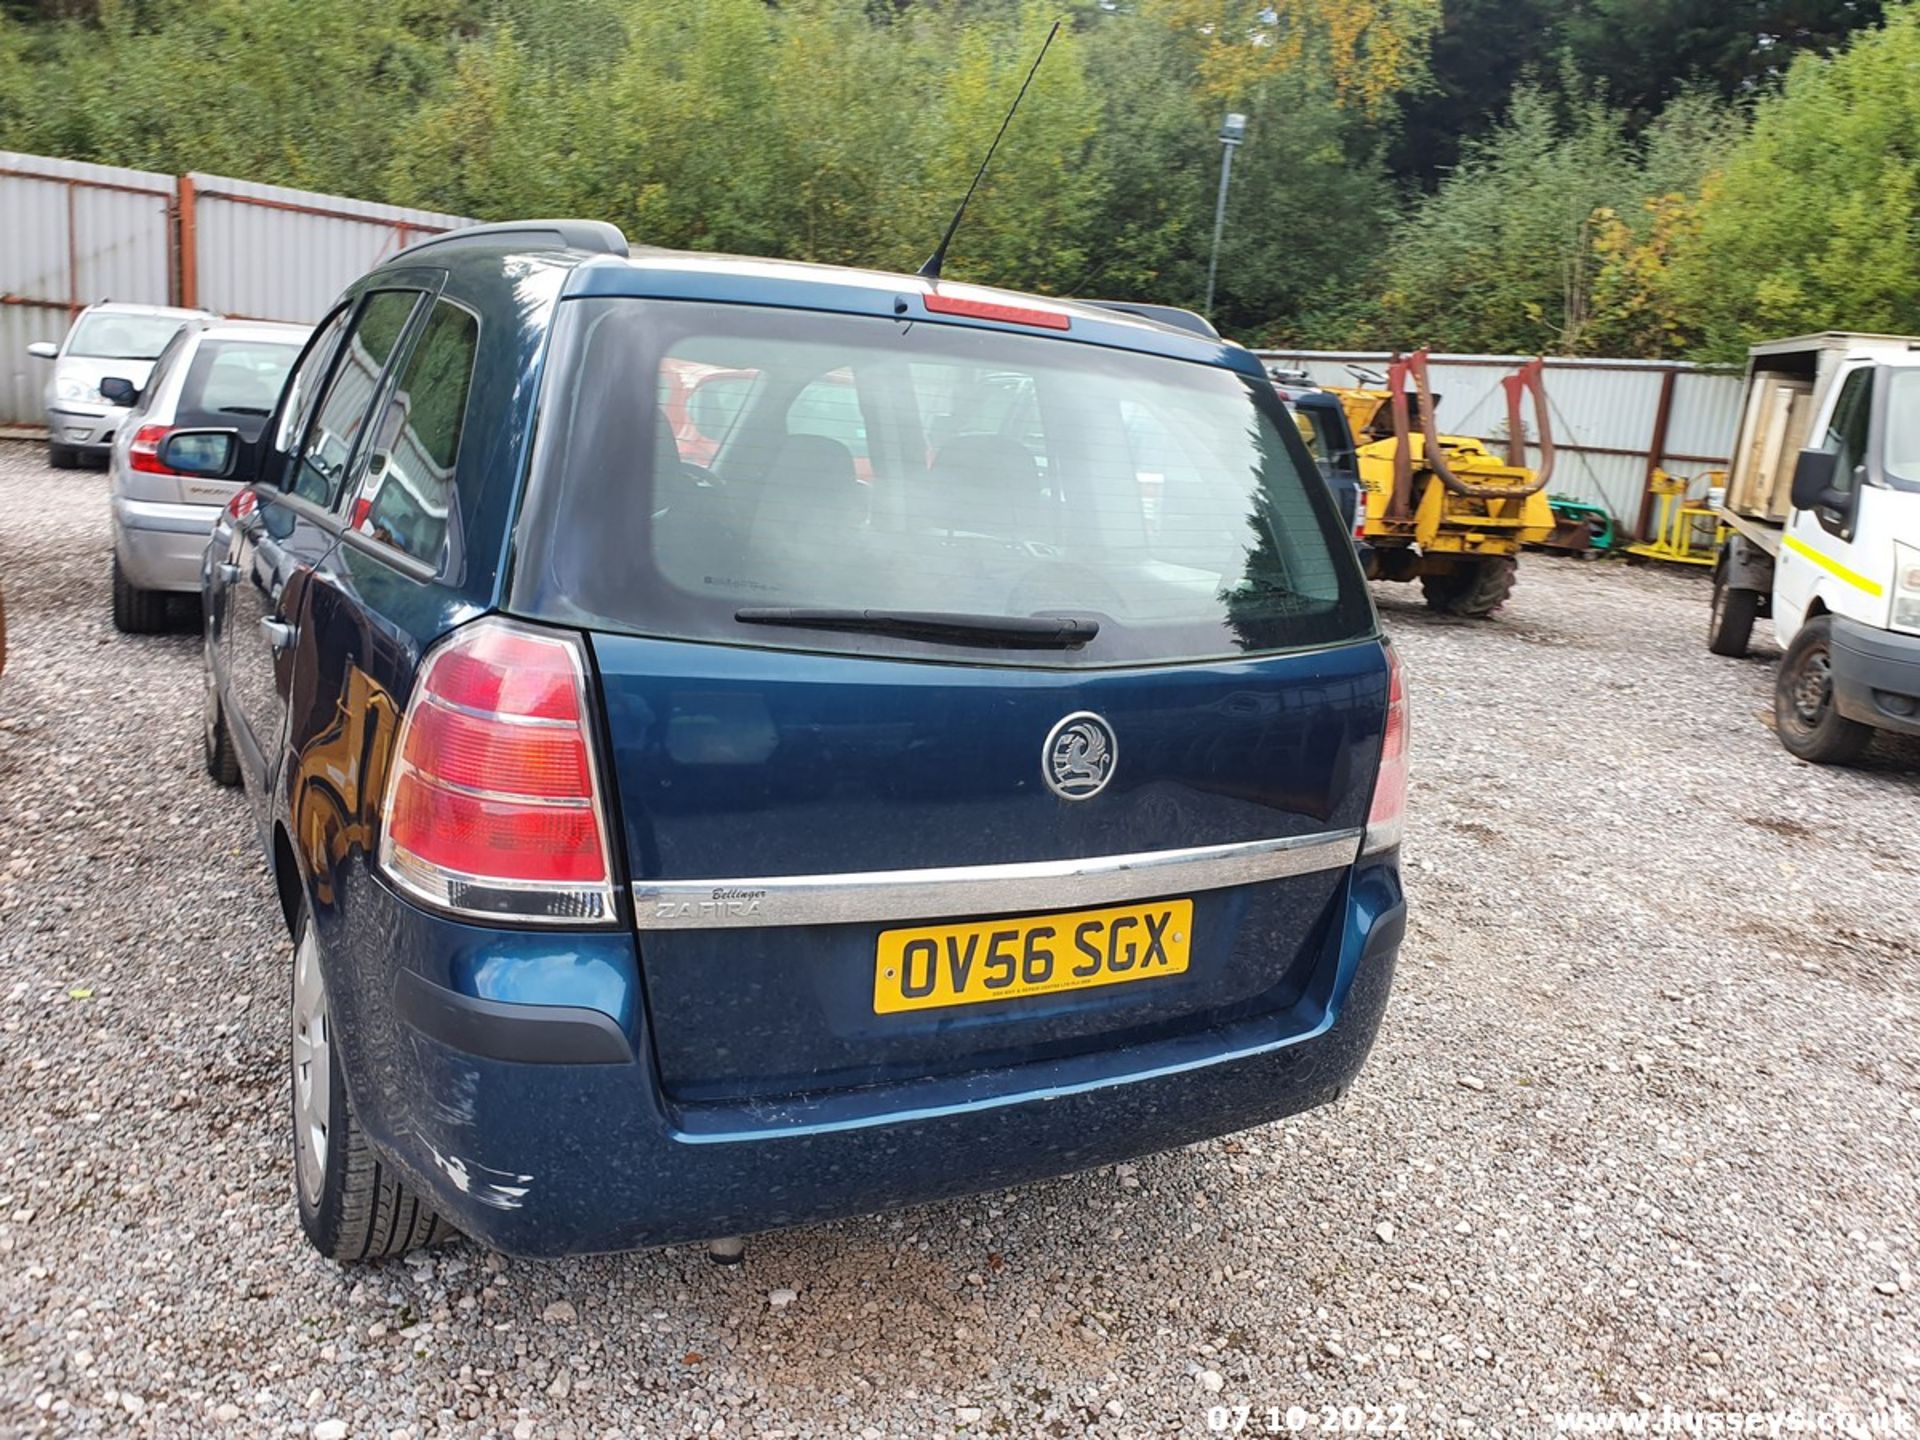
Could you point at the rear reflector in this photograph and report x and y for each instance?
(493, 808)
(1387, 820)
(993, 310)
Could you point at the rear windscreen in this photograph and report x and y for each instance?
(234, 382)
(701, 465)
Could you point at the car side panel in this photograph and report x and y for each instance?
(366, 627)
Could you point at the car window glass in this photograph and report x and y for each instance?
(830, 407)
(320, 471)
(234, 383)
(967, 470)
(158, 376)
(1847, 431)
(111, 335)
(304, 385)
(702, 404)
(1310, 434)
(407, 495)
(1902, 423)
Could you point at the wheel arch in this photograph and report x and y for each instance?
(287, 880)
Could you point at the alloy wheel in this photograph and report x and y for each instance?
(312, 1072)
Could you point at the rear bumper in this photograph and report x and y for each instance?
(1876, 676)
(161, 544)
(531, 1130)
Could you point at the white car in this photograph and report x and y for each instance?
(108, 341)
(224, 375)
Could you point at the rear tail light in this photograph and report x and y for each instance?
(1388, 818)
(493, 806)
(144, 453)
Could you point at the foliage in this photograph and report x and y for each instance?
(1814, 221)
(1642, 53)
(1547, 235)
(1638, 55)
(1433, 172)
(1368, 49)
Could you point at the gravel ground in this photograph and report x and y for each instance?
(1642, 1130)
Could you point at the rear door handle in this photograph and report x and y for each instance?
(280, 635)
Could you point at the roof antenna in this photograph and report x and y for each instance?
(931, 270)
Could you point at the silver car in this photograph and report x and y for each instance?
(225, 375)
(107, 341)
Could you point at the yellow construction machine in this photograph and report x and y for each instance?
(1443, 509)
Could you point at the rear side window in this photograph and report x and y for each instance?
(234, 382)
(407, 494)
(320, 470)
(857, 464)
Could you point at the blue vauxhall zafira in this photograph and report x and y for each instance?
(743, 743)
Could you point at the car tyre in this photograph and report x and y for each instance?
(223, 764)
(63, 457)
(136, 611)
(1730, 621)
(1808, 722)
(353, 1206)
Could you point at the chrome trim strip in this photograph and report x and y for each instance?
(931, 894)
(537, 722)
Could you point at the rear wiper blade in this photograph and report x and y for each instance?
(243, 410)
(1023, 632)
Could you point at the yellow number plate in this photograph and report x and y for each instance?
(940, 965)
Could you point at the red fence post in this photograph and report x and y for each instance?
(189, 291)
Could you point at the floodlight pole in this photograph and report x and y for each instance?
(1232, 131)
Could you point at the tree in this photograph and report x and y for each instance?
(1510, 252)
(1369, 49)
(1482, 51)
(1642, 53)
(308, 94)
(1814, 222)
(1637, 55)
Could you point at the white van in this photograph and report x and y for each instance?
(1823, 510)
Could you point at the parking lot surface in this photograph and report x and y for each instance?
(1642, 1129)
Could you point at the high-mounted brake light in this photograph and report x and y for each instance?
(938, 304)
(493, 807)
(1388, 819)
(144, 453)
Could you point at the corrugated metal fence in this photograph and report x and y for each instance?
(1614, 421)
(75, 233)
(72, 234)
(263, 252)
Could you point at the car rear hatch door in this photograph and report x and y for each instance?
(792, 821)
(1040, 618)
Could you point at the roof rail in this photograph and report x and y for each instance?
(1188, 320)
(594, 235)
